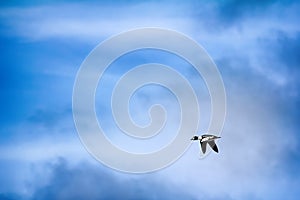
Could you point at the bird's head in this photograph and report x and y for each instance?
(195, 138)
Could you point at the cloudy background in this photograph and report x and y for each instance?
(255, 45)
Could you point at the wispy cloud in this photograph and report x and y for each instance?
(84, 22)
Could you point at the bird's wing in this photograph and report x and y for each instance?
(213, 145)
(206, 135)
(203, 146)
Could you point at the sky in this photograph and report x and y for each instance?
(255, 45)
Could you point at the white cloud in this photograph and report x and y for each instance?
(88, 23)
(249, 164)
(251, 149)
(94, 23)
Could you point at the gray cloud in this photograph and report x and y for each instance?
(50, 117)
(89, 182)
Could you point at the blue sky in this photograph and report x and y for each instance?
(256, 47)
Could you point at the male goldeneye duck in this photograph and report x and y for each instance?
(206, 138)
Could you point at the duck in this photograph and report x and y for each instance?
(207, 138)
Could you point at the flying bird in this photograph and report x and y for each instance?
(204, 139)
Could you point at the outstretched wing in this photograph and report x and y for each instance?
(213, 145)
(203, 146)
